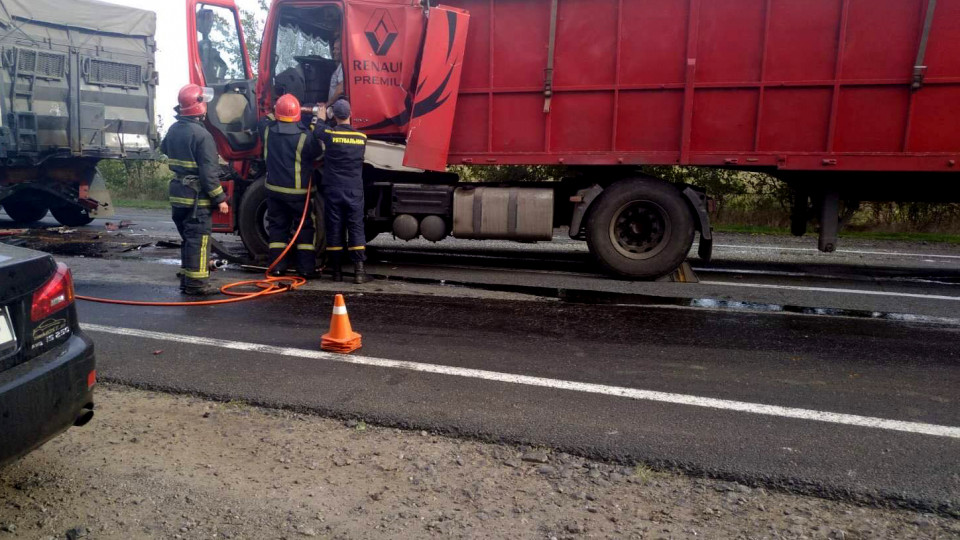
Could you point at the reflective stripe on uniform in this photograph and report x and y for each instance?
(216, 191)
(196, 275)
(203, 255)
(356, 133)
(183, 163)
(278, 245)
(357, 248)
(334, 248)
(188, 202)
(288, 191)
(266, 138)
(306, 247)
(296, 166)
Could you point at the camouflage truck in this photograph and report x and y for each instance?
(77, 85)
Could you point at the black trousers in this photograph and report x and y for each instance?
(343, 217)
(283, 214)
(194, 229)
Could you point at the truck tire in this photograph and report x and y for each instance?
(252, 222)
(640, 228)
(25, 211)
(71, 216)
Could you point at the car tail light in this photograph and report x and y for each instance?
(91, 379)
(55, 295)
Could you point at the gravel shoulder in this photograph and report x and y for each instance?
(154, 465)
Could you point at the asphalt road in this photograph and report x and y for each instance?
(854, 397)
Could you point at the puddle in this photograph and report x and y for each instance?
(575, 296)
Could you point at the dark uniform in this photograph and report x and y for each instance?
(289, 150)
(343, 191)
(192, 156)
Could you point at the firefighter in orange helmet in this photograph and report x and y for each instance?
(192, 155)
(289, 149)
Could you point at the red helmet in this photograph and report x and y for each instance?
(288, 108)
(193, 100)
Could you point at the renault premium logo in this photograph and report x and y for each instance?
(381, 32)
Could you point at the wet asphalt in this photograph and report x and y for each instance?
(891, 356)
(884, 369)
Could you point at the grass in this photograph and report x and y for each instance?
(643, 473)
(943, 238)
(136, 203)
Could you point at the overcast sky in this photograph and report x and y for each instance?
(171, 47)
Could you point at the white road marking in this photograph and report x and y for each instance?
(851, 251)
(832, 290)
(590, 388)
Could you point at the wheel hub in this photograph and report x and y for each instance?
(639, 229)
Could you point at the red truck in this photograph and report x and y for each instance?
(845, 100)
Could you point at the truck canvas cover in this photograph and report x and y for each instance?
(83, 14)
(78, 80)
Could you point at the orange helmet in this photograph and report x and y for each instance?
(193, 100)
(288, 108)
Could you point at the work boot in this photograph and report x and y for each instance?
(206, 290)
(360, 273)
(201, 290)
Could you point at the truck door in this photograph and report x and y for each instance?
(218, 59)
(435, 100)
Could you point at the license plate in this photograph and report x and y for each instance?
(7, 338)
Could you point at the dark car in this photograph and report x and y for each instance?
(47, 370)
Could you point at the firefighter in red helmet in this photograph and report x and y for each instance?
(289, 149)
(192, 155)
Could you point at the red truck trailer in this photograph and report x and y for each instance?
(845, 100)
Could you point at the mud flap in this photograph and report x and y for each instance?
(435, 101)
(99, 192)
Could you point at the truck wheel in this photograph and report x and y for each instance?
(25, 211)
(640, 228)
(253, 220)
(71, 216)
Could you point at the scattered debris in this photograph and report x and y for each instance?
(137, 247)
(111, 226)
(13, 232)
(168, 244)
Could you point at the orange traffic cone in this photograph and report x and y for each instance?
(341, 338)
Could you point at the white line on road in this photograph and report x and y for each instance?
(832, 290)
(618, 391)
(850, 251)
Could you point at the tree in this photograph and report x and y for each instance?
(252, 21)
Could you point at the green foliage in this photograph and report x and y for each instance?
(510, 173)
(252, 22)
(136, 179)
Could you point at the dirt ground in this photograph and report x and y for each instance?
(153, 465)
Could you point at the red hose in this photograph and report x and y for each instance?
(269, 285)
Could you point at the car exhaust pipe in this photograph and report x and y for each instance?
(85, 416)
